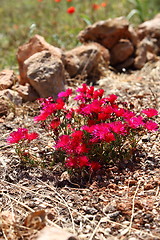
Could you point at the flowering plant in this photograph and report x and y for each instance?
(98, 130)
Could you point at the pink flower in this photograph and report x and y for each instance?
(98, 93)
(94, 166)
(135, 122)
(70, 113)
(150, 112)
(82, 89)
(151, 125)
(81, 148)
(77, 135)
(60, 104)
(62, 142)
(109, 137)
(101, 132)
(112, 98)
(83, 161)
(18, 135)
(118, 127)
(78, 161)
(71, 162)
(55, 123)
(65, 94)
(48, 109)
(119, 112)
(32, 136)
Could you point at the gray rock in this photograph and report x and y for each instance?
(45, 73)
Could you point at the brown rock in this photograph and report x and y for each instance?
(109, 32)
(52, 233)
(7, 79)
(85, 58)
(35, 44)
(45, 73)
(147, 49)
(11, 96)
(126, 64)
(121, 51)
(151, 28)
(27, 92)
(3, 107)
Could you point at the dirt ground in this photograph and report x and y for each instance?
(120, 202)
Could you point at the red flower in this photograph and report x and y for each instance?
(135, 122)
(109, 137)
(94, 166)
(111, 98)
(69, 0)
(150, 112)
(66, 94)
(118, 127)
(83, 161)
(103, 4)
(18, 135)
(95, 6)
(151, 126)
(71, 10)
(32, 136)
(62, 142)
(57, 0)
(55, 123)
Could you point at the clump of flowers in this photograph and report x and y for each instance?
(98, 130)
(22, 138)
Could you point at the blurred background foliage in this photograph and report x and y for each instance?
(22, 19)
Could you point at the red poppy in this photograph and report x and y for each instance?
(57, 0)
(95, 6)
(103, 4)
(71, 10)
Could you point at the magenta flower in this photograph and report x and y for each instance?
(65, 94)
(151, 125)
(62, 141)
(83, 161)
(18, 135)
(118, 127)
(135, 122)
(55, 123)
(94, 166)
(32, 136)
(71, 162)
(150, 112)
(111, 98)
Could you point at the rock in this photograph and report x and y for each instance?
(147, 49)
(121, 51)
(45, 73)
(150, 28)
(141, 56)
(85, 58)
(8, 98)
(126, 64)
(27, 92)
(7, 79)
(11, 96)
(35, 44)
(3, 107)
(109, 32)
(52, 233)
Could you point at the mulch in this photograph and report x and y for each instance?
(119, 202)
